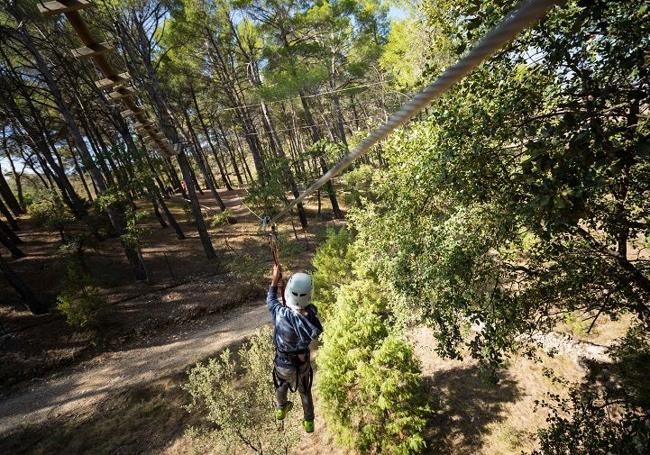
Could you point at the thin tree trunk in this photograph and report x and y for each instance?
(196, 208)
(8, 196)
(231, 152)
(10, 244)
(7, 214)
(81, 175)
(156, 211)
(170, 218)
(200, 159)
(206, 133)
(32, 303)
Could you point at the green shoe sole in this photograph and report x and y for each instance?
(281, 413)
(308, 425)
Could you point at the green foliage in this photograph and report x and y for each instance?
(577, 324)
(236, 400)
(268, 196)
(80, 301)
(133, 231)
(358, 182)
(333, 263)
(50, 212)
(369, 380)
(523, 196)
(221, 219)
(610, 411)
(329, 150)
(590, 428)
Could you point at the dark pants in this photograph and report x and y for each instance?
(286, 377)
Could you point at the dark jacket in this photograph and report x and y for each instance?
(293, 331)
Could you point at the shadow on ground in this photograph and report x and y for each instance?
(140, 420)
(465, 404)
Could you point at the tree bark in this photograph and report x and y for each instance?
(170, 218)
(10, 244)
(8, 196)
(7, 214)
(231, 152)
(196, 208)
(32, 303)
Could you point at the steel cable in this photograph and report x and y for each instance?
(517, 20)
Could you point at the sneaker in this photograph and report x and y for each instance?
(281, 413)
(308, 425)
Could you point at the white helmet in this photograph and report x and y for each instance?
(297, 292)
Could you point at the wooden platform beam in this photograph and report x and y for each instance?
(63, 6)
(130, 113)
(91, 50)
(125, 93)
(111, 82)
(147, 124)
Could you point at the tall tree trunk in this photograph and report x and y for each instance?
(340, 130)
(229, 89)
(206, 133)
(7, 214)
(156, 211)
(81, 174)
(196, 208)
(9, 243)
(170, 218)
(200, 159)
(116, 218)
(8, 196)
(37, 134)
(316, 136)
(32, 303)
(231, 152)
(152, 86)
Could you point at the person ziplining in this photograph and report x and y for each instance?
(296, 325)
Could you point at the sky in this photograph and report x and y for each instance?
(397, 13)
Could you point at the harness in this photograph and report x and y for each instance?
(297, 359)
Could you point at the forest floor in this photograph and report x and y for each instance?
(118, 390)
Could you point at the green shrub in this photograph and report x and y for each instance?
(358, 182)
(80, 302)
(609, 412)
(236, 401)
(584, 423)
(369, 380)
(333, 263)
(222, 219)
(49, 212)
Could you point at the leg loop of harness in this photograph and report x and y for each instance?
(298, 365)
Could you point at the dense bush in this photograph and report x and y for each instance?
(369, 380)
(609, 413)
(333, 264)
(80, 302)
(48, 211)
(236, 401)
(358, 183)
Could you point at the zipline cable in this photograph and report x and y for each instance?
(526, 14)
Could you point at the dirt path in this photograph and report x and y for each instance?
(98, 379)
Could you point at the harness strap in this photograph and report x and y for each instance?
(278, 381)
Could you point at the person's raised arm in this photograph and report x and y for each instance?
(277, 275)
(272, 301)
